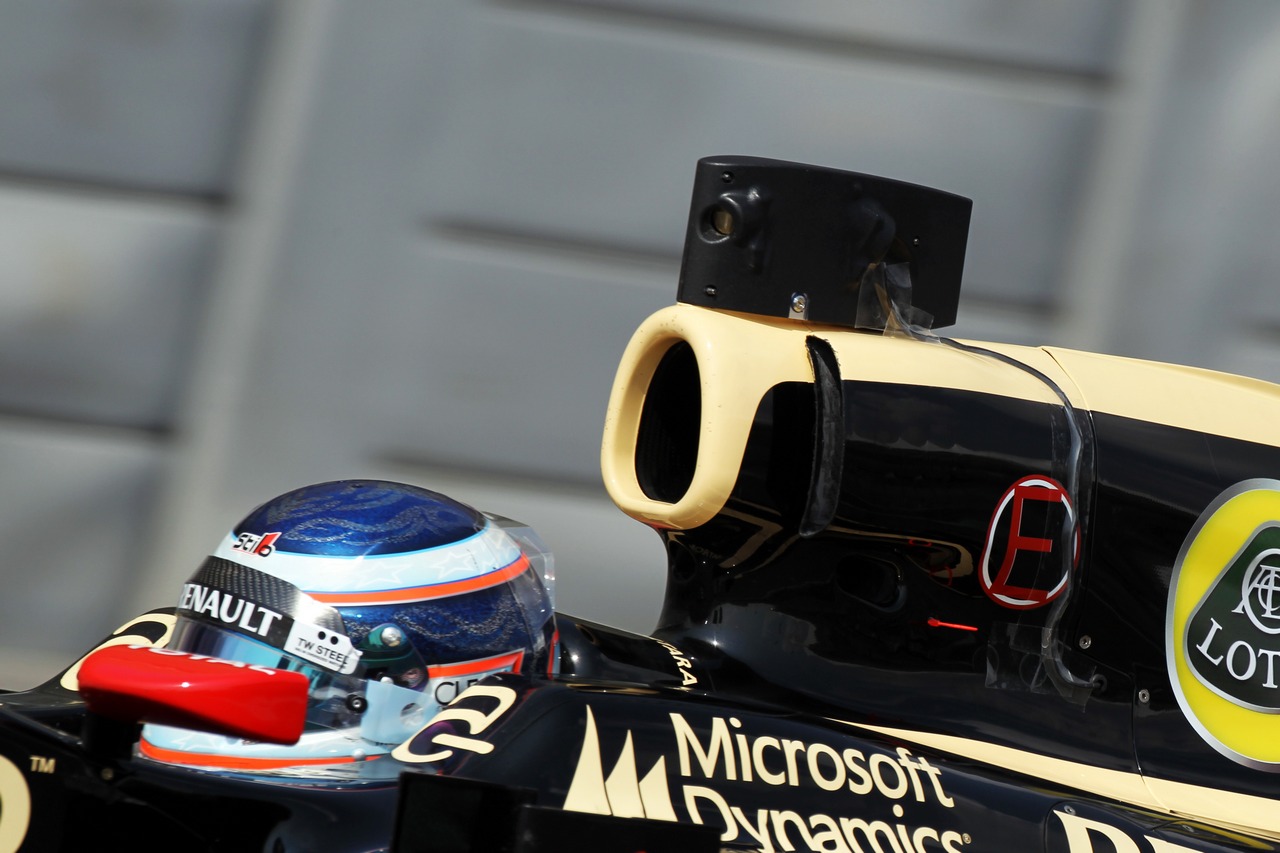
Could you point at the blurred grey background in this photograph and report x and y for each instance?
(248, 245)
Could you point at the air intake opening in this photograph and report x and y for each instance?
(667, 443)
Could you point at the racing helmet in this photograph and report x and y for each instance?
(392, 599)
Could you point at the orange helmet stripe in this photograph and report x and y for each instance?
(234, 762)
(420, 593)
(512, 660)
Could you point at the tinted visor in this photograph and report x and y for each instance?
(335, 701)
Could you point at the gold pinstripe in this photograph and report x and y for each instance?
(1240, 811)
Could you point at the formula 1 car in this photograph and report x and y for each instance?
(923, 595)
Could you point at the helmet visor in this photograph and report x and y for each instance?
(335, 700)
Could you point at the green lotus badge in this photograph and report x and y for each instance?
(1223, 624)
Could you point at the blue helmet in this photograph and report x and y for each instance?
(391, 598)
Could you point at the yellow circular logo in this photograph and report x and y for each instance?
(1223, 624)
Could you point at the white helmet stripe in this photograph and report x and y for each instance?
(409, 595)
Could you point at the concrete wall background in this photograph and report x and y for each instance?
(248, 245)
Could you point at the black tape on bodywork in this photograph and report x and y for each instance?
(828, 438)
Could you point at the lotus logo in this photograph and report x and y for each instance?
(1259, 595)
(623, 793)
(1223, 624)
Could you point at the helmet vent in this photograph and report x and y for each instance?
(667, 439)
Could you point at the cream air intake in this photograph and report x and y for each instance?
(683, 405)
